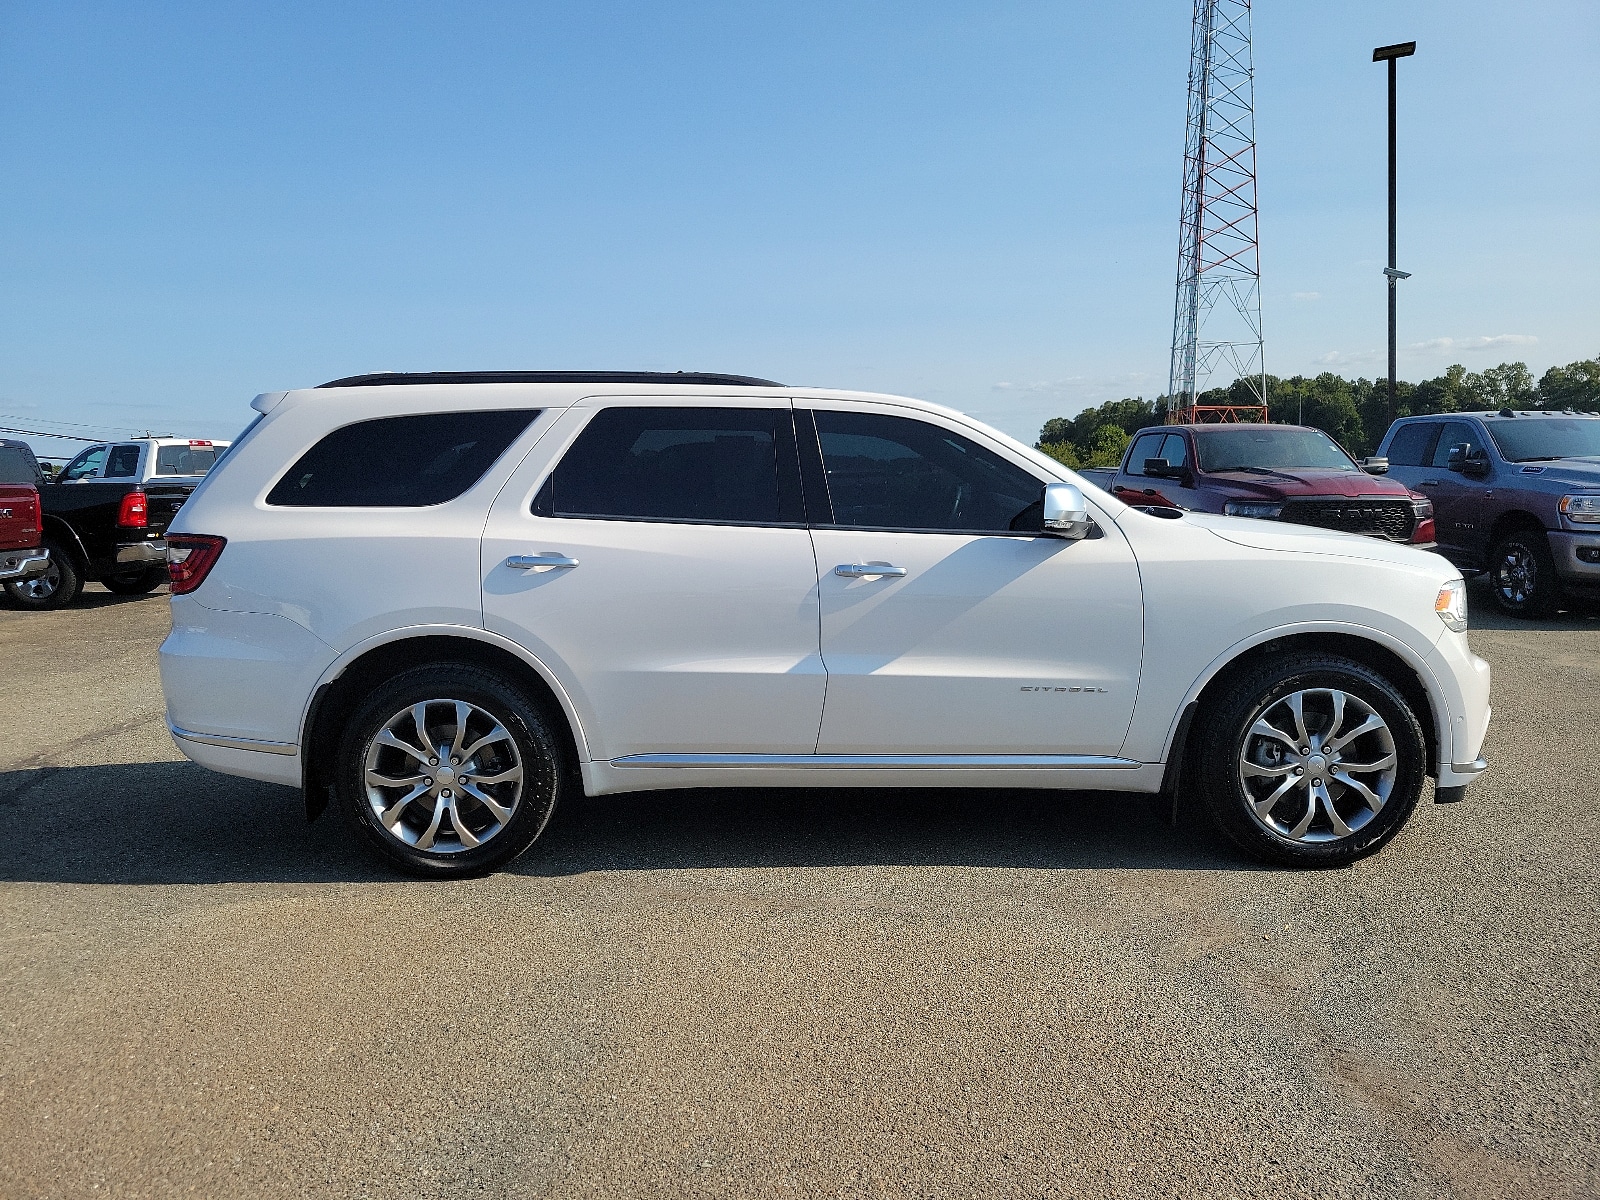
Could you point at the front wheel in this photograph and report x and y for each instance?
(1312, 760)
(57, 587)
(1523, 574)
(449, 770)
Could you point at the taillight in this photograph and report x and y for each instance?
(27, 511)
(1423, 529)
(190, 557)
(135, 511)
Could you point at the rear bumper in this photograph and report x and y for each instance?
(143, 554)
(20, 564)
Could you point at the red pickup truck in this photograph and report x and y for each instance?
(1272, 472)
(21, 525)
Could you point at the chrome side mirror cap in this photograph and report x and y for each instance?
(1066, 512)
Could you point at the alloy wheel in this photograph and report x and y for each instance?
(41, 586)
(1516, 575)
(443, 776)
(1318, 765)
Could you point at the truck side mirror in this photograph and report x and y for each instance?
(1160, 468)
(1375, 466)
(1467, 461)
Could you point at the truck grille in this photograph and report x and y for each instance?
(1392, 519)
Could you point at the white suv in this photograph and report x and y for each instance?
(444, 600)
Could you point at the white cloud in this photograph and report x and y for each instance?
(1305, 295)
(1348, 358)
(1073, 383)
(1442, 345)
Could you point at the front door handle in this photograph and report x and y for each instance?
(867, 570)
(540, 562)
(1431, 483)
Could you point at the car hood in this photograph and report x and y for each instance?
(1308, 539)
(1305, 481)
(1569, 472)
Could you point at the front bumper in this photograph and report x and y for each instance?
(1577, 556)
(20, 564)
(143, 554)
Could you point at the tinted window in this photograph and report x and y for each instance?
(17, 465)
(898, 473)
(85, 465)
(185, 460)
(724, 466)
(122, 462)
(400, 462)
(1456, 433)
(1269, 448)
(1411, 443)
(1532, 439)
(1145, 447)
(1173, 450)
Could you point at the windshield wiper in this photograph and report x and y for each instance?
(1266, 471)
(1542, 458)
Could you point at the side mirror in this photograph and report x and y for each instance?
(1066, 513)
(1375, 466)
(1467, 461)
(1158, 468)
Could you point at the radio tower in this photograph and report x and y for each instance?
(1216, 323)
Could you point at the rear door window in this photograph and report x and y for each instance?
(122, 462)
(1412, 444)
(720, 466)
(400, 462)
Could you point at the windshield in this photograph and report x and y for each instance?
(1530, 439)
(185, 460)
(1268, 447)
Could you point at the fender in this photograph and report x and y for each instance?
(1407, 653)
(55, 526)
(409, 632)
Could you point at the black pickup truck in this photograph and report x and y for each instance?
(106, 517)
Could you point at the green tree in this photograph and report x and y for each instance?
(1575, 386)
(1062, 452)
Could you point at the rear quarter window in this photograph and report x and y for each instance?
(400, 462)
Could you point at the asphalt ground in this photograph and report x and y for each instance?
(767, 993)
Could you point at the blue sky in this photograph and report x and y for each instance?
(974, 203)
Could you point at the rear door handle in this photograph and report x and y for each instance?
(867, 570)
(540, 562)
(1431, 483)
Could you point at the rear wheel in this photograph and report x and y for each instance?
(1312, 760)
(136, 583)
(1523, 574)
(449, 770)
(57, 587)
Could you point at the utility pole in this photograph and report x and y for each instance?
(1392, 55)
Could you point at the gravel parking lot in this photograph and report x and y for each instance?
(783, 994)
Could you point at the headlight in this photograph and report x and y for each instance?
(1581, 510)
(1451, 605)
(1262, 510)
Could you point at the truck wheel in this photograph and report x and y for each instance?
(449, 770)
(1523, 574)
(57, 587)
(136, 583)
(1311, 760)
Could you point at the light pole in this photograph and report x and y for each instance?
(1391, 55)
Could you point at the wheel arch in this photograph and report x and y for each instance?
(1390, 658)
(362, 667)
(1514, 519)
(53, 526)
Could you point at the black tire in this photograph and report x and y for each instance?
(538, 755)
(1522, 574)
(56, 588)
(136, 583)
(1227, 727)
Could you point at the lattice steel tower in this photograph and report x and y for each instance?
(1216, 324)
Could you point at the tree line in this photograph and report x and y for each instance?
(1354, 412)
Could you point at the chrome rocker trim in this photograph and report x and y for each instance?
(233, 743)
(892, 762)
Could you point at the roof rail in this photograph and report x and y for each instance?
(695, 378)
